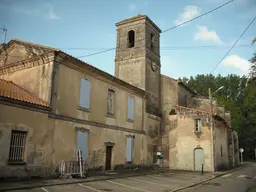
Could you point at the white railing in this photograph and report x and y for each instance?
(73, 168)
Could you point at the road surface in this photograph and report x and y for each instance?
(238, 181)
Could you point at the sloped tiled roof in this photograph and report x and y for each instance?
(11, 90)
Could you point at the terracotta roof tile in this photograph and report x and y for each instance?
(11, 90)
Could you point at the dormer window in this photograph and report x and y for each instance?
(131, 39)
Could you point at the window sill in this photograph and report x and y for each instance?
(198, 132)
(16, 163)
(83, 109)
(129, 120)
(110, 115)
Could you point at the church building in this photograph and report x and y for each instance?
(53, 104)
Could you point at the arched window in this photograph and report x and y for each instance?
(152, 39)
(131, 39)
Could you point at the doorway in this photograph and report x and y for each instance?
(199, 158)
(108, 157)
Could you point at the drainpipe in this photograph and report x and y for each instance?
(143, 114)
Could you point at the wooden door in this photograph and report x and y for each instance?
(108, 157)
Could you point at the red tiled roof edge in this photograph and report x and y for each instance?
(33, 100)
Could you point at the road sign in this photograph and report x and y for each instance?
(241, 152)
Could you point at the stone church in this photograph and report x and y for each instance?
(53, 104)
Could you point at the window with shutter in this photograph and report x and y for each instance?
(85, 93)
(129, 149)
(110, 102)
(130, 108)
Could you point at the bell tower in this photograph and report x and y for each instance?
(137, 59)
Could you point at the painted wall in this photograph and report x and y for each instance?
(39, 141)
(183, 141)
(68, 92)
(65, 140)
(35, 76)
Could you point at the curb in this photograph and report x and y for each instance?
(80, 181)
(209, 179)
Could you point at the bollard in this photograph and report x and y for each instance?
(202, 169)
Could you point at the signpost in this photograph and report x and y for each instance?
(241, 150)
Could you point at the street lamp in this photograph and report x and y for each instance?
(212, 146)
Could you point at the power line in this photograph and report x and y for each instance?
(163, 48)
(178, 48)
(198, 16)
(234, 44)
(96, 53)
(166, 29)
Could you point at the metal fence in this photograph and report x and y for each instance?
(73, 168)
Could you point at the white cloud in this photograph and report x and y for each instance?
(190, 12)
(51, 14)
(132, 7)
(235, 61)
(203, 33)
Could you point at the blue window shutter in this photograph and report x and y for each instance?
(82, 143)
(130, 108)
(128, 149)
(85, 93)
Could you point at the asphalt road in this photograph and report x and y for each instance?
(238, 181)
(163, 182)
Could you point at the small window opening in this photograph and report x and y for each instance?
(221, 151)
(198, 125)
(131, 39)
(17, 146)
(152, 39)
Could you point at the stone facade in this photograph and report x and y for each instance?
(140, 63)
(164, 111)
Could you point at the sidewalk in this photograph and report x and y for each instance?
(8, 186)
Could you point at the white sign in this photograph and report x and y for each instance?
(241, 150)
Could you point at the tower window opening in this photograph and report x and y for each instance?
(131, 39)
(152, 39)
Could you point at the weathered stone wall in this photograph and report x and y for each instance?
(39, 142)
(169, 99)
(183, 141)
(184, 96)
(203, 104)
(221, 146)
(153, 132)
(134, 65)
(17, 52)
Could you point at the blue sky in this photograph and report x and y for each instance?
(90, 24)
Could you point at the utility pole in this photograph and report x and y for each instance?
(212, 144)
